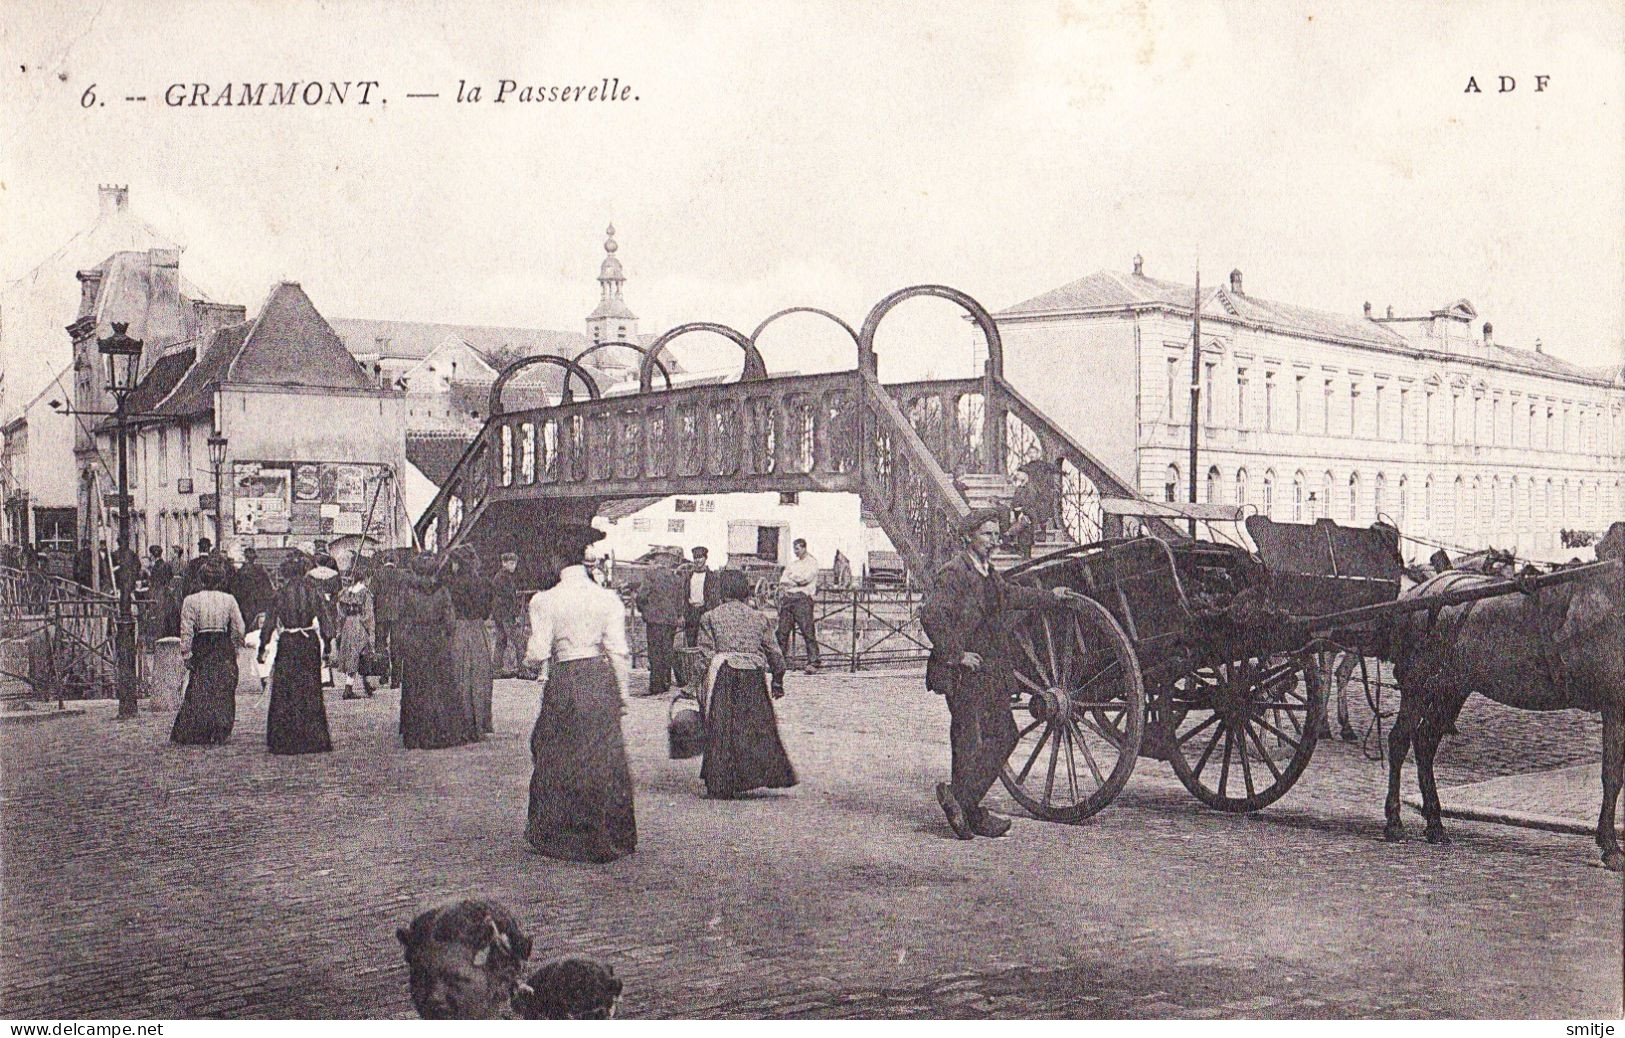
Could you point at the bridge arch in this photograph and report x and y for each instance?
(494, 405)
(754, 369)
(643, 351)
(787, 311)
(866, 338)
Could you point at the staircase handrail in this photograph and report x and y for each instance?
(947, 497)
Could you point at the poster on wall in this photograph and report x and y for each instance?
(309, 500)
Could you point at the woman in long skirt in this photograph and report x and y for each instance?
(581, 788)
(471, 595)
(355, 623)
(743, 750)
(211, 629)
(434, 715)
(297, 718)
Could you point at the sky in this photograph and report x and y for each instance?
(827, 153)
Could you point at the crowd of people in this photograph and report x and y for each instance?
(426, 626)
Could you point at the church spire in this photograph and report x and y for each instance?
(612, 320)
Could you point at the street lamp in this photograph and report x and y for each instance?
(217, 459)
(122, 355)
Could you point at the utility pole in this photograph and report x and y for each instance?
(1196, 385)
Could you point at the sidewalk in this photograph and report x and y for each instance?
(1564, 800)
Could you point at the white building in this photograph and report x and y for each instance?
(36, 471)
(1426, 420)
(740, 527)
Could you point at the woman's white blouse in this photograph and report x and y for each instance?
(577, 620)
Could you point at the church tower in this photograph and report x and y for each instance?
(611, 321)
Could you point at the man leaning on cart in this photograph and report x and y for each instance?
(961, 615)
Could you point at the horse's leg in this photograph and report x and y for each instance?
(1345, 674)
(1613, 774)
(1323, 723)
(1399, 746)
(1428, 735)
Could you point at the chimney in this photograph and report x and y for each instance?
(1139, 265)
(1489, 334)
(1390, 311)
(113, 198)
(1538, 347)
(1368, 311)
(1235, 281)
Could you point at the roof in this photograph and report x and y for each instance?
(1109, 290)
(287, 344)
(194, 392)
(162, 378)
(1113, 290)
(290, 343)
(415, 340)
(436, 454)
(612, 306)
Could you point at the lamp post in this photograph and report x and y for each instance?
(217, 459)
(122, 355)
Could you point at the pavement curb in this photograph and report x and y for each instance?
(1522, 820)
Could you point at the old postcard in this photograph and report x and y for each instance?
(1060, 509)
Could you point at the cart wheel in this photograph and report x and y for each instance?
(1243, 730)
(1079, 705)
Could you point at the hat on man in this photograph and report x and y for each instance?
(978, 516)
(573, 538)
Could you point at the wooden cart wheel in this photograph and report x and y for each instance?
(1079, 705)
(1243, 730)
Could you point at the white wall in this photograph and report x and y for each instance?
(1084, 377)
(829, 522)
(285, 423)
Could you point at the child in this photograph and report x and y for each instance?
(262, 662)
(569, 989)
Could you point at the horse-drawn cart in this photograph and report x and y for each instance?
(1197, 653)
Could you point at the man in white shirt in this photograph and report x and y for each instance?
(798, 585)
(702, 594)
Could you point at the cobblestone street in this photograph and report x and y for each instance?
(143, 879)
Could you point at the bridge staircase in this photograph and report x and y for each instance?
(920, 455)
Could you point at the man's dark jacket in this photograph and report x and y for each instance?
(963, 613)
(663, 598)
(505, 596)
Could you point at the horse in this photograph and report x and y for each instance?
(1496, 647)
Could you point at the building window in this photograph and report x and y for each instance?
(1455, 418)
(1207, 393)
(1459, 520)
(1170, 484)
(1404, 502)
(789, 497)
(1404, 417)
(1297, 497)
(1241, 398)
(1268, 504)
(1269, 401)
(1241, 487)
(1326, 409)
(1427, 499)
(163, 456)
(675, 525)
(1213, 478)
(1495, 421)
(1428, 421)
(1376, 403)
(684, 504)
(1173, 389)
(1354, 409)
(1379, 491)
(1325, 507)
(1297, 404)
(1546, 429)
(1354, 496)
